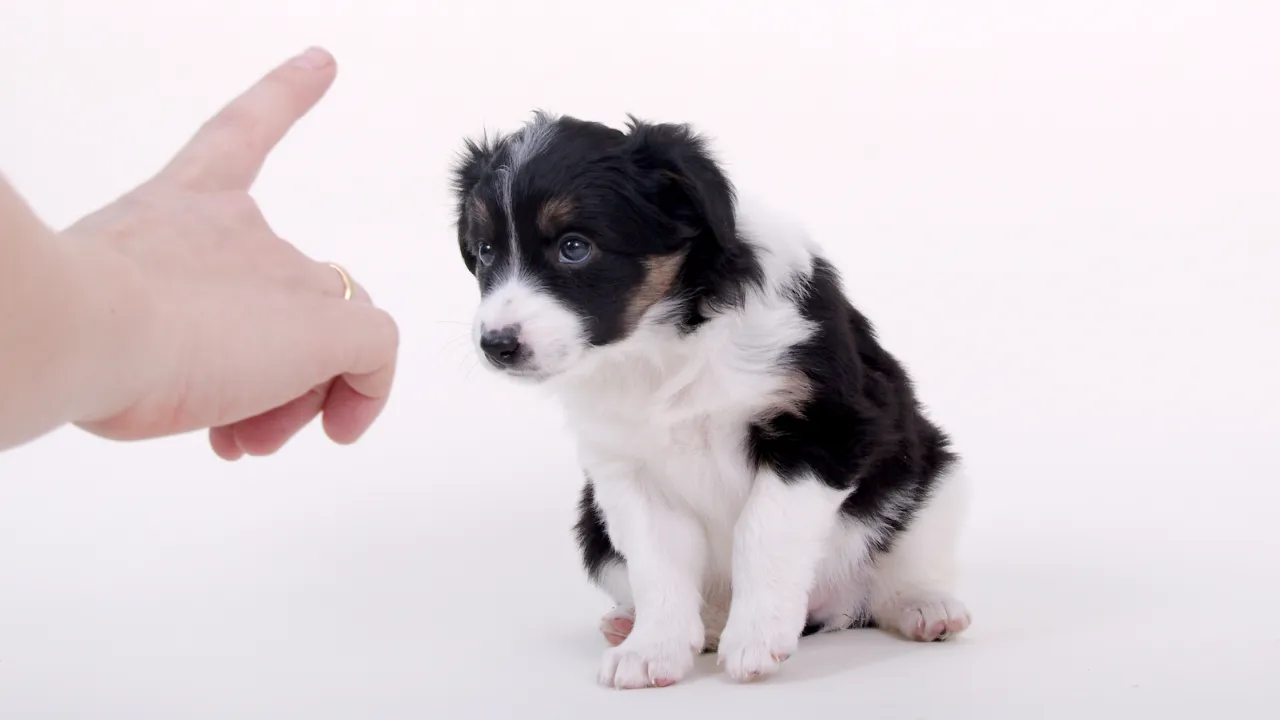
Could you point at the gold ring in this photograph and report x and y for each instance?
(347, 286)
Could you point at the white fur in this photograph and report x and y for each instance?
(783, 533)
(528, 143)
(914, 584)
(917, 574)
(666, 552)
(553, 334)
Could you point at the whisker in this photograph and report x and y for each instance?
(451, 344)
(474, 365)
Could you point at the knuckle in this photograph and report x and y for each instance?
(392, 328)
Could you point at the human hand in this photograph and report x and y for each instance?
(237, 331)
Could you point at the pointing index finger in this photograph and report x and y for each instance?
(229, 150)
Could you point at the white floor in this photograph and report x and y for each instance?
(424, 575)
(1061, 215)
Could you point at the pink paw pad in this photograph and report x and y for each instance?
(616, 626)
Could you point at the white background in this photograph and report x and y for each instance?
(1062, 216)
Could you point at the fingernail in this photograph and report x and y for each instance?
(313, 59)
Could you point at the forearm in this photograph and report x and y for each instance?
(56, 324)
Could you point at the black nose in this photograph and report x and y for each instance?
(501, 346)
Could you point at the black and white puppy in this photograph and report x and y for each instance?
(757, 466)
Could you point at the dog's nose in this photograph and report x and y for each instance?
(501, 346)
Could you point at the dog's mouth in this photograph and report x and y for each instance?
(536, 376)
(523, 374)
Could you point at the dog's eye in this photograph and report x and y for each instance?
(574, 249)
(484, 253)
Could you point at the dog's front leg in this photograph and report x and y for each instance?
(778, 541)
(665, 554)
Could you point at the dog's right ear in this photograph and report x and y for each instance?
(467, 171)
(688, 185)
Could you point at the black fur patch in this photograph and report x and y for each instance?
(593, 540)
(863, 427)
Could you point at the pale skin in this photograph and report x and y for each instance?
(177, 309)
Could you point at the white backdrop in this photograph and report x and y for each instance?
(1063, 216)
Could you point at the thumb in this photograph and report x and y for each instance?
(364, 343)
(356, 345)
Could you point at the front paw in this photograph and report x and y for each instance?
(751, 650)
(641, 662)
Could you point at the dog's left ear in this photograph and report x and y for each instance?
(687, 185)
(467, 171)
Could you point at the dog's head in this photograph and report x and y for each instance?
(577, 233)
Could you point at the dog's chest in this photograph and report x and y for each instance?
(676, 412)
(700, 463)
(686, 441)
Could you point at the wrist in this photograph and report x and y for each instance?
(36, 359)
(75, 325)
(48, 332)
(111, 322)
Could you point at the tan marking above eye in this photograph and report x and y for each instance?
(554, 215)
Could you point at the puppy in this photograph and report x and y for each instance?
(757, 467)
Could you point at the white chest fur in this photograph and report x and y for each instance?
(671, 413)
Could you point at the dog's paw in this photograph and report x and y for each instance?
(930, 618)
(616, 625)
(640, 662)
(754, 650)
